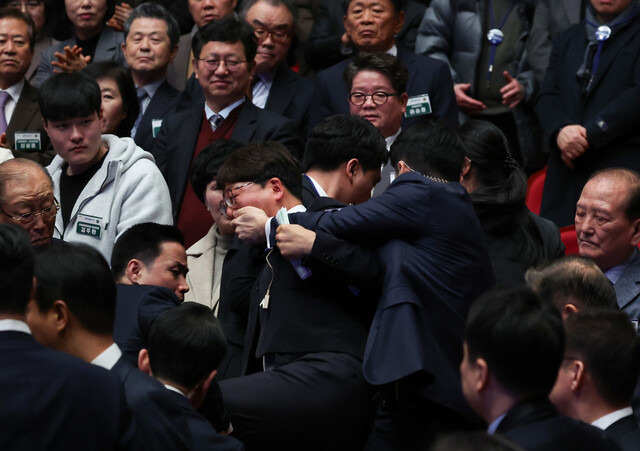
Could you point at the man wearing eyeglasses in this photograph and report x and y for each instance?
(27, 200)
(275, 86)
(224, 54)
(371, 26)
(377, 85)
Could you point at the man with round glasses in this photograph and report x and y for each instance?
(275, 86)
(26, 199)
(377, 85)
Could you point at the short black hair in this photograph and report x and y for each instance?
(339, 138)
(143, 242)
(520, 336)
(8, 12)
(185, 344)
(229, 30)
(430, 148)
(632, 179)
(154, 11)
(260, 161)
(16, 269)
(607, 343)
(573, 279)
(208, 162)
(66, 96)
(122, 76)
(80, 276)
(387, 65)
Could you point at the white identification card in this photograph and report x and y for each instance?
(89, 225)
(155, 126)
(27, 141)
(418, 106)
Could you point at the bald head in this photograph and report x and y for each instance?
(27, 200)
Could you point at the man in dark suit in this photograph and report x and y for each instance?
(149, 264)
(588, 102)
(329, 43)
(150, 43)
(513, 348)
(414, 344)
(21, 131)
(608, 229)
(185, 346)
(373, 32)
(50, 400)
(275, 86)
(599, 373)
(312, 340)
(224, 59)
(73, 311)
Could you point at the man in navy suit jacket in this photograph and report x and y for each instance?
(151, 37)
(50, 400)
(374, 32)
(513, 348)
(599, 373)
(149, 264)
(73, 311)
(185, 346)
(435, 263)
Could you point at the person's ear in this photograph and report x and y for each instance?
(134, 271)
(635, 237)
(277, 188)
(352, 167)
(399, 22)
(482, 374)
(143, 362)
(403, 167)
(577, 375)
(568, 310)
(466, 167)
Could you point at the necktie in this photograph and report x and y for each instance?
(215, 121)
(142, 94)
(4, 98)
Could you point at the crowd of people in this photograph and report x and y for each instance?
(220, 229)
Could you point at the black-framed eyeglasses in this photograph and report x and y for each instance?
(29, 218)
(212, 64)
(281, 36)
(230, 198)
(378, 97)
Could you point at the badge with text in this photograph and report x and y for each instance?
(418, 106)
(27, 141)
(155, 126)
(89, 225)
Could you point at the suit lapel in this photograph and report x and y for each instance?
(280, 94)
(611, 49)
(26, 109)
(160, 103)
(107, 46)
(628, 287)
(245, 127)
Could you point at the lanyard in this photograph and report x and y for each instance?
(603, 33)
(495, 36)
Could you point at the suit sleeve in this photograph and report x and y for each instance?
(159, 150)
(354, 260)
(399, 212)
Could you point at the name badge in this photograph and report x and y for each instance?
(27, 141)
(603, 33)
(155, 126)
(419, 105)
(89, 225)
(495, 36)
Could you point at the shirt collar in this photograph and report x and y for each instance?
(15, 90)
(224, 112)
(391, 139)
(494, 425)
(316, 185)
(14, 325)
(607, 420)
(151, 88)
(171, 388)
(393, 51)
(109, 357)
